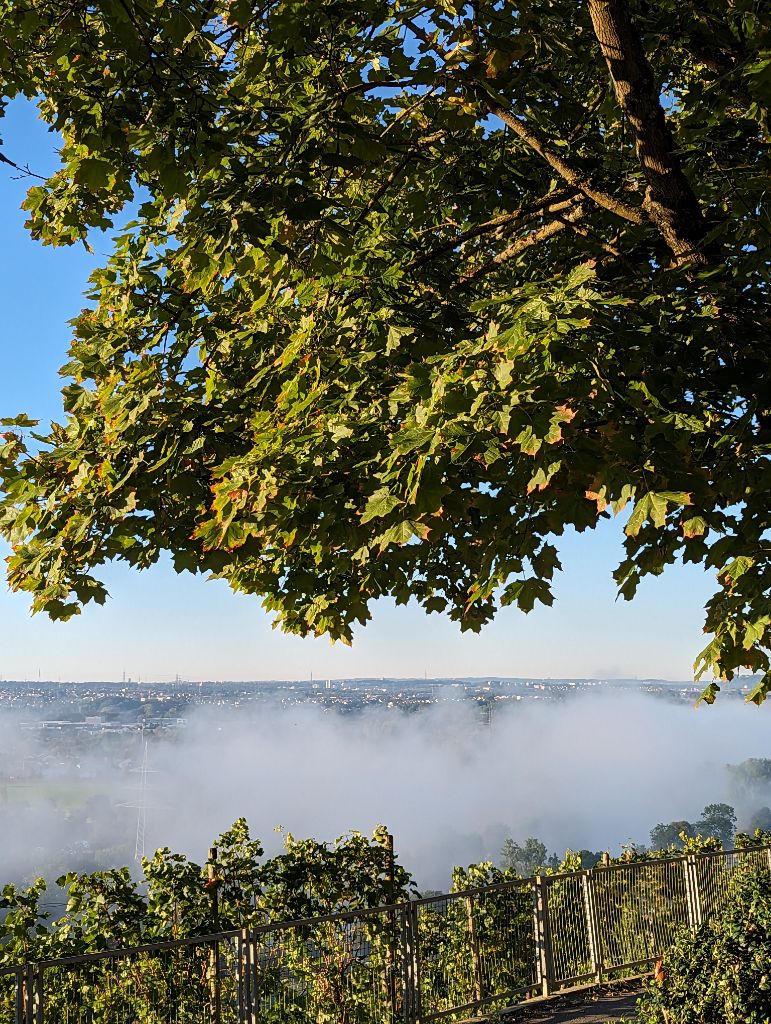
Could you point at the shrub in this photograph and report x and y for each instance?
(721, 973)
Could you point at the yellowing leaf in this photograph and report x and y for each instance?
(694, 527)
(599, 497)
(496, 62)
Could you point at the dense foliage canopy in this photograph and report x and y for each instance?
(409, 290)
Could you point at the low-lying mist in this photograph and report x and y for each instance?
(588, 772)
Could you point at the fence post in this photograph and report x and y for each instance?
(545, 960)
(243, 978)
(696, 894)
(474, 943)
(28, 986)
(240, 976)
(19, 996)
(410, 963)
(692, 891)
(39, 994)
(253, 970)
(768, 857)
(589, 882)
(212, 884)
(390, 881)
(29, 994)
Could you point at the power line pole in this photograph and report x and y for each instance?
(139, 844)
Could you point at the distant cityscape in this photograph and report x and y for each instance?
(114, 707)
(67, 732)
(81, 714)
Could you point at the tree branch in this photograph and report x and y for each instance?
(26, 172)
(562, 167)
(552, 203)
(669, 200)
(548, 230)
(427, 38)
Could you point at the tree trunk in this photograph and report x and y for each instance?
(669, 199)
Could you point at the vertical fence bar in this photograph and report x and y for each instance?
(406, 972)
(253, 979)
(39, 994)
(19, 996)
(418, 969)
(543, 944)
(391, 956)
(474, 944)
(29, 990)
(242, 977)
(692, 877)
(692, 923)
(592, 923)
(410, 964)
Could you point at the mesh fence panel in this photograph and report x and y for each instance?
(504, 926)
(713, 874)
(189, 983)
(640, 908)
(447, 977)
(570, 949)
(475, 949)
(341, 969)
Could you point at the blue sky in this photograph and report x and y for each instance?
(157, 624)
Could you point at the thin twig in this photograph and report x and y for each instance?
(25, 171)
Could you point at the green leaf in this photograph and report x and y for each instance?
(639, 515)
(502, 372)
(754, 631)
(528, 442)
(653, 505)
(380, 504)
(93, 172)
(579, 275)
(411, 440)
(403, 533)
(709, 693)
(738, 567)
(395, 336)
(22, 420)
(760, 691)
(658, 509)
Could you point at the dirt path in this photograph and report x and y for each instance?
(594, 1007)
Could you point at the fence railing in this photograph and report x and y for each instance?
(439, 958)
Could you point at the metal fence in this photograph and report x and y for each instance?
(445, 957)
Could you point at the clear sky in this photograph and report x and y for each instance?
(158, 624)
